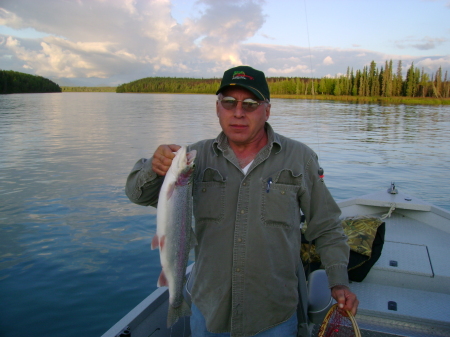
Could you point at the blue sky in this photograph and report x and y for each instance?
(109, 42)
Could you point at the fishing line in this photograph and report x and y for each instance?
(320, 172)
(312, 84)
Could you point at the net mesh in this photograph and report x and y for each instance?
(339, 323)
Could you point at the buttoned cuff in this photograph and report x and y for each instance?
(337, 275)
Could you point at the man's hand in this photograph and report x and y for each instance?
(345, 298)
(162, 158)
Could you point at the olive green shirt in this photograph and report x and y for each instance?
(248, 230)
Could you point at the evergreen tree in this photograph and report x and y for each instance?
(397, 88)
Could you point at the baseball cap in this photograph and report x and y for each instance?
(248, 78)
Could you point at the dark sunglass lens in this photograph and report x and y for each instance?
(229, 103)
(250, 106)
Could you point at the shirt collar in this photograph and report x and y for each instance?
(221, 142)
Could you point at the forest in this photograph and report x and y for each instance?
(371, 81)
(14, 82)
(88, 89)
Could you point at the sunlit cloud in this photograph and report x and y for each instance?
(328, 61)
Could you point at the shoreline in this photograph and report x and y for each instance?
(368, 99)
(355, 99)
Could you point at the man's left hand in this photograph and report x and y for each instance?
(345, 298)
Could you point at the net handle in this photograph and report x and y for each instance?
(327, 319)
(355, 325)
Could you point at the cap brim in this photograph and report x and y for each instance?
(249, 88)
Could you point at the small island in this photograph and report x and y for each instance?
(14, 82)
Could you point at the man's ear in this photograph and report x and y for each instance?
(268, 111)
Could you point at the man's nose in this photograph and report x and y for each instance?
(239, 110)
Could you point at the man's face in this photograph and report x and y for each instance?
(240, 126)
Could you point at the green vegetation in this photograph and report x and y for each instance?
(88, 89)
(171, 85)
(368, 85)
(12, 82)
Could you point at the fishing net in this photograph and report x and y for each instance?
(339, 323)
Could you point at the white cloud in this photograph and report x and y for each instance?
(287, 70)
(328, 61)
(430, 65)
(97, 38)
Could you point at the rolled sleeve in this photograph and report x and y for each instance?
(143, 184)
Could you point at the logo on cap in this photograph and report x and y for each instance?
(240, 75)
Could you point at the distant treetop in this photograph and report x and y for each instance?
(14, 82)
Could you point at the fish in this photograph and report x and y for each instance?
(174, 234)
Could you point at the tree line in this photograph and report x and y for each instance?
(171, 85)
(12, 82)
(88, 89)
(371, 81)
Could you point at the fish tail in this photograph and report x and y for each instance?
(175, 313)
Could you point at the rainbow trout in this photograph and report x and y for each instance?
(174, 235)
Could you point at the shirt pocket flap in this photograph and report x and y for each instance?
(287, 177)
(209, 197)
(280, 207)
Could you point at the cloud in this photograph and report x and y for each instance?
(430, 65)
(97, 38)
(268, 37)
(287, 70)
(117, 41)
(328, 61)
(426, 43)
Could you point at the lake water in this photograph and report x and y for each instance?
(75, 253)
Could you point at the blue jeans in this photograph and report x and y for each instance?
(198, 327)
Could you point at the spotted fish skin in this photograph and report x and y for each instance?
(174, 235)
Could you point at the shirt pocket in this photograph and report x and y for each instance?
(280, 207)
(209, 196)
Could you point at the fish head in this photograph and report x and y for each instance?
(183, 165)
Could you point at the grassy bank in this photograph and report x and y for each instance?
(365, 99)
(346, 98)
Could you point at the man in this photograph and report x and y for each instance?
(249, 187)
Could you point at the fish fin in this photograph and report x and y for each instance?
(162, 280)
(190, 156)
(193, 240)
(176, 312)
(155, 242)
(170, 190)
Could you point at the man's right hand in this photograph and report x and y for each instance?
(162, 158)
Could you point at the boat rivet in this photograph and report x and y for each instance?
(392, 305)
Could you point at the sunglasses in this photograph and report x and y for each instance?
(248, 104)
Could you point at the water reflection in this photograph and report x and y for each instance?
(70, 241)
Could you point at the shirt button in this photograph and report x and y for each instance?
(239, 240)
(244, 184)
(283, 192)
(242, 211)
(238, 269)
(203, 189)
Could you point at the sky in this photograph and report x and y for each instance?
(110, 42)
